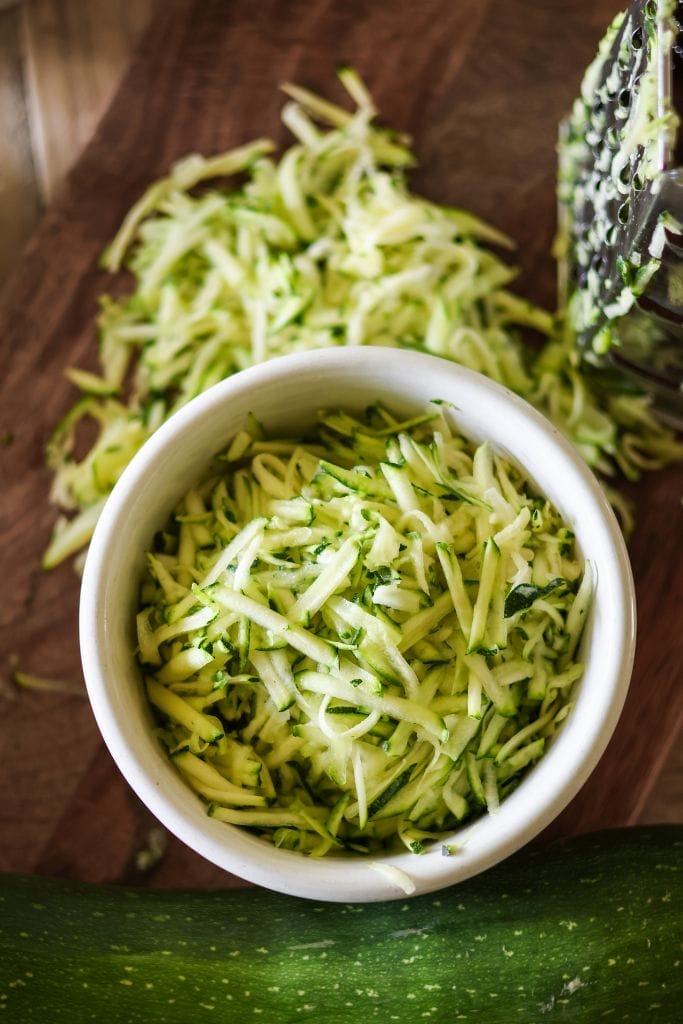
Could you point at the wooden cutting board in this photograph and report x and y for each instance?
(481, 87)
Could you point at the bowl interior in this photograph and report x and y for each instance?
(284, 395)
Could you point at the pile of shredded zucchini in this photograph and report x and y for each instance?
(324, 246)
(362, 638)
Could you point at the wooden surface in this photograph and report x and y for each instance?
(481, 88)
(60, 62)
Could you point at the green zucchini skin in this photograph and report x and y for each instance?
(581, 930)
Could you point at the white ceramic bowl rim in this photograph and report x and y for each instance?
(353, 378)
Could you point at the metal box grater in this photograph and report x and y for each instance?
(620, 191)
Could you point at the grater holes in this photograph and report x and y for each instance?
(624, 99)
(623, 212)
(600, 263)
(637, 39)
(625, 174)
(612, 137)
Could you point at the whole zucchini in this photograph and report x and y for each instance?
(581, 930)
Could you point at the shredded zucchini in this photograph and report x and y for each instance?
(341, 662)
(44, 684)
(324, 246)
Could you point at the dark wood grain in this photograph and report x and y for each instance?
(19, 193)
(481, 88)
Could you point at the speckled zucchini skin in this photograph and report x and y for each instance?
(584, 930)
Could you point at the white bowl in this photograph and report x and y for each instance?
(284, 395)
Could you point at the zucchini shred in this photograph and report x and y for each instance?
(360, 639)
